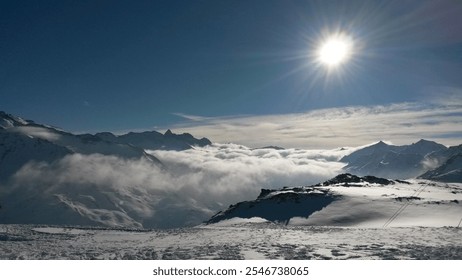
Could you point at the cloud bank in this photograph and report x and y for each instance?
(439, 120)
(193, 185)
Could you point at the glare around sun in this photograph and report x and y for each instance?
(334, 51)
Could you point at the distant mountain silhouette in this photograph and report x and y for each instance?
(153, 140)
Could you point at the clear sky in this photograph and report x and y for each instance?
(216, 67)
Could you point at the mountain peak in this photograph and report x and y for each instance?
(423, 141)
(168, 132)
(8, 120)
(381, 145)
(424, 147)
(384, 160)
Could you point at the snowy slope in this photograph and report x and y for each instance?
(243, 240)
(447, 165)
(449, 171)
(349, 200)
(17, 149)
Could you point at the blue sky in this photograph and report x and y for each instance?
(89, 66)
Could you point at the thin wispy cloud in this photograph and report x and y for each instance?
(39, 132)
(439, 120)
(191, 117)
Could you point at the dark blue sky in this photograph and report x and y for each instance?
(122, 65)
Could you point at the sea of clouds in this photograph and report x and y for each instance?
(186, 190)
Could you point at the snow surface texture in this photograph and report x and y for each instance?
(237, 239)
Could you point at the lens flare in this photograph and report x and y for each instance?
(334, 51)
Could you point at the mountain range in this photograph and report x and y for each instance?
(50, 176)
(24, 140)
(424, 159)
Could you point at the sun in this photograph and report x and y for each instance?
(334, 51)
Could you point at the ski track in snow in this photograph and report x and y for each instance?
(243, 241)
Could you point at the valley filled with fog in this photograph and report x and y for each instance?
(149, 195)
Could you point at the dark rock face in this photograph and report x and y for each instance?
(279, 207)
(347, 178)
(264, 192)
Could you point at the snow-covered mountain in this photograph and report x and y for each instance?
(22, 141)
(51, 176)
(83, 144)
(349, 200)
(449, 171)
(389, 161)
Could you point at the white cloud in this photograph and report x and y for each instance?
(254, 168)
(196, 184)
(400, 123)
(190, 117)
(38, 132)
